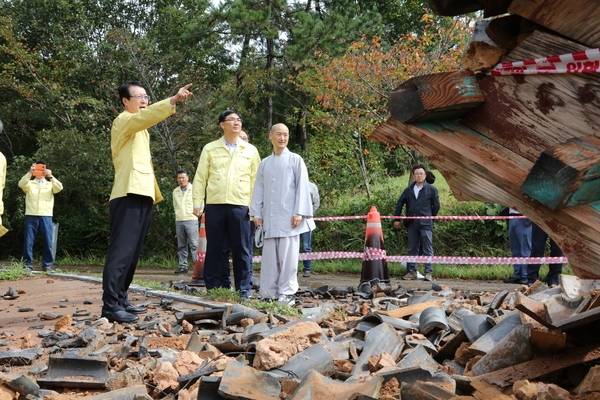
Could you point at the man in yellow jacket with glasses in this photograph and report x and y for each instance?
(223, 187)
(134, 192)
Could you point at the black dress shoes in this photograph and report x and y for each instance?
(120, 316)
(132, 308)
(522, 281)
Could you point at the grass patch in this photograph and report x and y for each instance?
(13, 272)
(274, 308)
(151, 284)
(88, 259)
(440, 271)
(158, 262)
(222, 295)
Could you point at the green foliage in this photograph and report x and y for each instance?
(223, 295)
(469, 238)
(351, 95)
(451, 237)
(400, 17)
(274, 307)
(13, 272)
(151, 284)
(61, 62)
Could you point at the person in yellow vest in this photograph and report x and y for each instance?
(134, 192)
(186, 223)
(39, 206)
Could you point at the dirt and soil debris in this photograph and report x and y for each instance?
(382, 340)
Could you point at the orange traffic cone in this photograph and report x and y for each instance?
(197, 278)
(374, 264)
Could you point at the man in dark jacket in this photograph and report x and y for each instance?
(421, 199)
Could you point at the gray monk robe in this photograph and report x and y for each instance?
(281, 191)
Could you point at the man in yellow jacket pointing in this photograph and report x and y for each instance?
(134, 192)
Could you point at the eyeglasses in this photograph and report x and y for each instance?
(233, 120)
(142, 97)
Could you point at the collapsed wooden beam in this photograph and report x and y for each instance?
(529, 114)
(507, 32)
(575, 19)
(434, 97)
(567, 174)
(480, 169)
(453, 8)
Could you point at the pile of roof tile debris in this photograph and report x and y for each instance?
(375, 341)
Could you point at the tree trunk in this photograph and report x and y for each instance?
(268, 88)
(239, 75)
(360, 155)
(301, 134)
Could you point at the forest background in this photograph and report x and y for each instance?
(324, 68)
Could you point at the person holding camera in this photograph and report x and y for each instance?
(39, 205)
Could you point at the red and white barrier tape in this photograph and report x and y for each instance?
(371, 253)
(378, 254)
(585, 61)
(448, 217)
(340, 218)
(478, 260)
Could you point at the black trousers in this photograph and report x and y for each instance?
(538, 247)
(130, 219)
(227, 222)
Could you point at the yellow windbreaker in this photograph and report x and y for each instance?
(184, 204)
(39, 199)
(130, 145)
(222, 178)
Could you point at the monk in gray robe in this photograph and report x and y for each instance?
(281, 205)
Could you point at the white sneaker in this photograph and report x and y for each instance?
(286, 299)
(411, 276)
